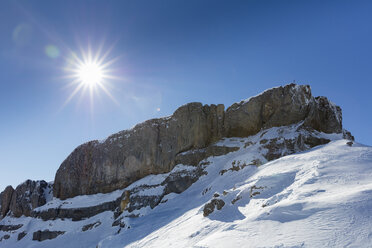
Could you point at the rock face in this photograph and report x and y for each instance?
(156, 146)
(276, 107)
(75, 214)
(151, 195)
(27, 196)
(148, 148)
(5, 198)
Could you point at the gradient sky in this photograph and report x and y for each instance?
(168, 53)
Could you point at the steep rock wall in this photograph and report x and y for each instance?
(151, 147)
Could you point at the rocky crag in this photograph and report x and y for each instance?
(153, 147)
(157, 146)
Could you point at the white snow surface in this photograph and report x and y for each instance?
(318, 198)
(81, 201)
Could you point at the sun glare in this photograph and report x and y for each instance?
(90, 72)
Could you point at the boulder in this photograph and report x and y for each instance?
(156, 146)
(211, 205)
(5, 199)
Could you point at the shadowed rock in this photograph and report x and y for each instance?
(210, 206)
(6, 236)
(21, 235)
(9, 228)
(27, 196)
(5, 199)
(44, 235)
(75, 214)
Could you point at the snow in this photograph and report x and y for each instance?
(81, 201)
(152, 191)
(318, 198)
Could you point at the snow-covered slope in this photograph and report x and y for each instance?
(318, 198)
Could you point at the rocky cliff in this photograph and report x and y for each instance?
(154, 146)
(22, 200)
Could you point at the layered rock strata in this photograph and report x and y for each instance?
(155, 146)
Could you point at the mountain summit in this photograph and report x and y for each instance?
(275, 170)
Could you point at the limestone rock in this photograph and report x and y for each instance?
(145, 195)
(148, 148)
(279, 106)
(210, 206)
(27, 196)
(5, 198)
(324, 116)
(75, 214)
(156, 146)
(180, 181)
(46, 234)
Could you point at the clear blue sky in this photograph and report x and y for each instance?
(169, 53)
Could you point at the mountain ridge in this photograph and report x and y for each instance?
(151, 147)
(279, 122)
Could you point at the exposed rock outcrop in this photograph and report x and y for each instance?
(91, 226)
(5, 199)
(156, 146)
(324, 116)
(6, 236)
(212, 205)
(44, 235)
(145, 195)
(193, 157)
(27, 196)
(9, 228)
(275, 107)
(148, 148)
(75, 214)
(21, 235)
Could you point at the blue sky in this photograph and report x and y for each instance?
(168, 53)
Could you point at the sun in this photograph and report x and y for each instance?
(90, 73)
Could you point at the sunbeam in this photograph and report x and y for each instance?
(89, 73)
